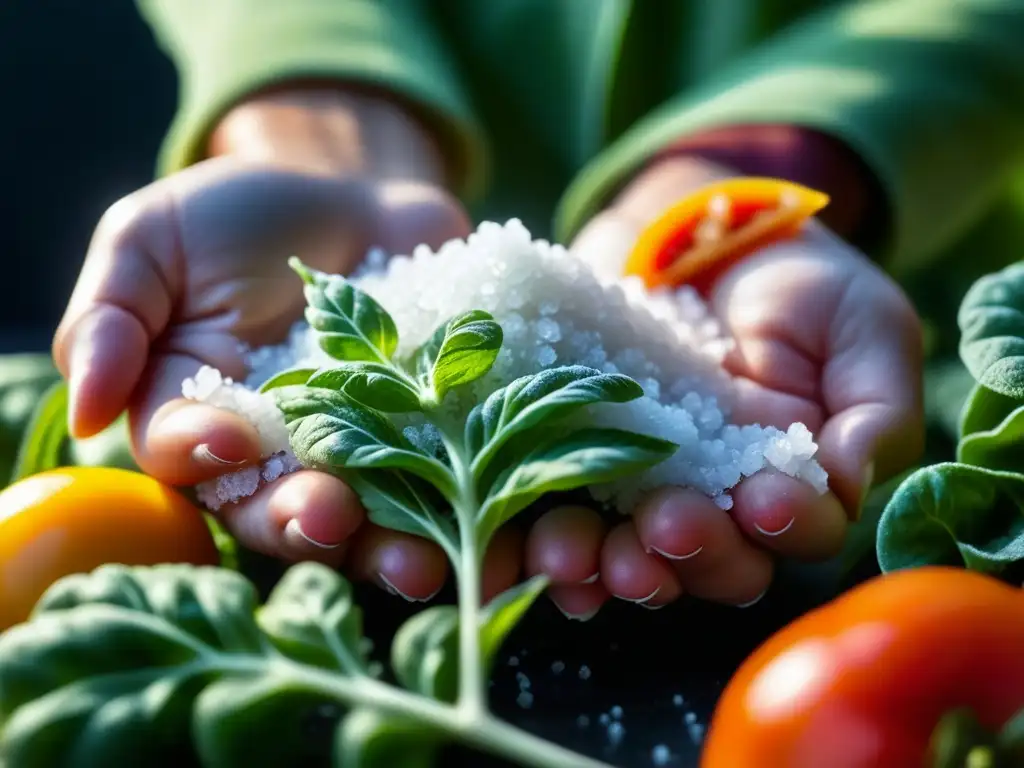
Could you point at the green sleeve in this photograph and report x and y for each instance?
(225, 50)
(930, 94)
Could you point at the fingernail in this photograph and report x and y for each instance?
(592, 579)
(391, 589)
(577, 616)
(649, 607)
(667, 556)
(755, 601)
(203, 453)
(779, 532)
(293, 528)
(641, 600)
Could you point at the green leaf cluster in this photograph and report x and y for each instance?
(970, 512)
(173, 665)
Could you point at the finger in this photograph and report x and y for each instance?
(121, 302)
(565, 544)
(788, 516)
(701, 542)
(579, 602)
(503, 562)
(630, 573)
(411, 214)
(304, 516)
(873, 387)
(184, 442)
(405, 565)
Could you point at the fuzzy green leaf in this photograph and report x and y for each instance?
(119, 666)
(585, 457)
(350, 324)
(540, 398)
(424, 653)
(374, 385)
(954, 514)
(368, 739)
(984, 410)
(991, 322)
(460, 351)
(331, 432)
(312, 618)
(227, 712)
(290, 378)
(1000, 447)
(42, 446)
(403, 502)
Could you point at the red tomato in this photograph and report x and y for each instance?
(863, 681)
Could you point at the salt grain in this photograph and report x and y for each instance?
(616, 731)
(525, 699)
(616, 712)
(554, 309)
(584, 672)
(661, 755)
(558, 667)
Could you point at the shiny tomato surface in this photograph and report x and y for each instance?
(73, 520)
(863, 681)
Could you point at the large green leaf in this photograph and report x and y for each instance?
(374, 385)
(991, 322)
(459, 352)
(540, 398)
(119, 666)
(350, 324)
(329, 431)
(954, 514)
(585, 457)
(425, 651)
(403, 502)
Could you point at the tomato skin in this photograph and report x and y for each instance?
(667, 254)
(861, 682)
(72, 520)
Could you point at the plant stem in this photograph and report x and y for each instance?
(481, 731)
(472, 682)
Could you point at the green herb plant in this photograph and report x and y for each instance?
(970, 512)
(162, 665)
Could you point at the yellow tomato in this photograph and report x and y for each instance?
(74, 519)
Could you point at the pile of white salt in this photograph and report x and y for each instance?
(555, 309)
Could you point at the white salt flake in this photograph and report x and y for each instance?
(661, 755)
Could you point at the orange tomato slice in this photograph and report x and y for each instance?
(697, 239)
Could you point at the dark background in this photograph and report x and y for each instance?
(87, 96)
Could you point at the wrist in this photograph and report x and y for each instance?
(856, 211)
(332, 130)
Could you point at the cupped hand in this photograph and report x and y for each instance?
(181, 271)
(823, 337)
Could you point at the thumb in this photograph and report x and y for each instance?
(409, 214)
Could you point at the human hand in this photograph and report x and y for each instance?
(181, 271)
(823, 337)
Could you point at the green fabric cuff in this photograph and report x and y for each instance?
(227, 49)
